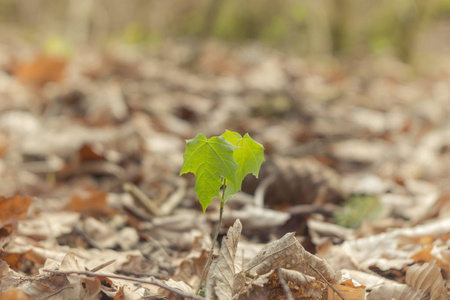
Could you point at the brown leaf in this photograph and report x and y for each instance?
(6, 234)
(40, 70)
(221, 276)
(14, 208)
(89, 201)
(16, 294)
(424, 255)
(350, 292)
(290, 254)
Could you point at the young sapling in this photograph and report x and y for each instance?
(220, 163)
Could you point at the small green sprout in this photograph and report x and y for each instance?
(220, 163)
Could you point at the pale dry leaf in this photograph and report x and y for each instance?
(296, 277)
(100, 233)
(83, 287)
(365, 252)
(257, 219)
(396, 291)
(12, 279)
(180, 285)
(290, 254)
(427, 278)
(221, 276)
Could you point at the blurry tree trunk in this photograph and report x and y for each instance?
(318, 28)
(210, 17)
(411, 20)
(340, 25)
(79, 14)
(211, 13)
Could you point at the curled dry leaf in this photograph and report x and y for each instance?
(221, 277)
(396, 291)
(257, 219)
(297, 181)
(290, 254)
(179, 285)
(427, 278)
(296, 276)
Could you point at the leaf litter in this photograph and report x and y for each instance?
(91, 148)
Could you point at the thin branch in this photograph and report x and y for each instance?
(329, 284)
(284, 285)
(153, 282)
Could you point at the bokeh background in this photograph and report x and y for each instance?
(412, 31)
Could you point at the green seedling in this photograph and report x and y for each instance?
(220, 163)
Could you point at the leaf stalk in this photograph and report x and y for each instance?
(216, 235)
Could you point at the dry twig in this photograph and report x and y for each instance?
(329, 284)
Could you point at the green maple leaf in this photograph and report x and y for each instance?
(212, 162)
(249, 156)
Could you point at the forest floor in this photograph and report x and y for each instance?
(351, 201)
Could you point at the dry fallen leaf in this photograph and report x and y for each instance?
(427, 278)
(14, 208)
(348, 290)
(397, 292)
(290, 254)
(42, 69)
(82, 287)
(221, 276)
(16, 294)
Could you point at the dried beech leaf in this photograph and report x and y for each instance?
(296, 277)
(258, 219)
(290, 254)
(179, 285)
(297, 181)
(82, 286)
(14, 208)
(396, 291)
(16, 294)
(222, 273)
(427, 278)
(349, 292)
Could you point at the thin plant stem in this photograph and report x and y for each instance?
(216, 235)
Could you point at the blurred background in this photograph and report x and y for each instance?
(99, 93)
(412, 31)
